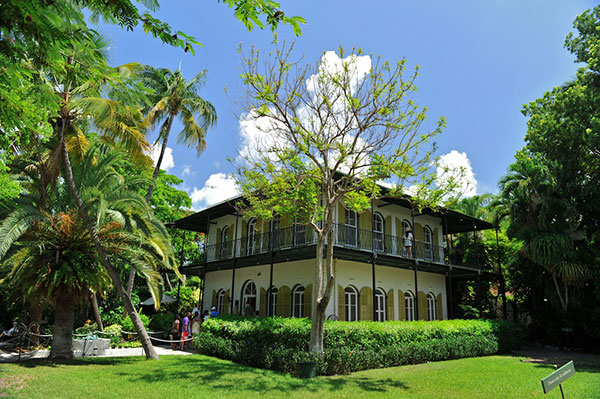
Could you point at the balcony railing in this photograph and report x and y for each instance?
(344, 236)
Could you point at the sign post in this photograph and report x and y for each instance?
(558, 377)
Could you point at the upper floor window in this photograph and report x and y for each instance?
(428, 239)
(379, 305)
(431, 307)
(378, 232)
(275, 223)
(409, 305)
(351, 305)
(299, 233)
(225, 242)
(251, 237)
(298, 301)
(221, 301)
(350, 228)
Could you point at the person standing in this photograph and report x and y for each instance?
(213, 312)
(196, 321)
(174, 333)
(185, 330)
(408, 242)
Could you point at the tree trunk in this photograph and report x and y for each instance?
(35, 319)
(151, 189)
(62, 334)
(96, 311)
(135, 318)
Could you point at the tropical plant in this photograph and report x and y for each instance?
(171, 96)
(50, 252)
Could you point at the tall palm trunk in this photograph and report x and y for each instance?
(94, 302)
(135, 318)
(163, 148)
(62, 334)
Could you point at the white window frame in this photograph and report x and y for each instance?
(251, 237)
(350, 230)
(350, 308)
(378, 232)
(248, 292)
(409, 305)
(221, 301)
(298, 301)
(428, 242)
(224, 242)
(273, 294)
(380, 308)
(431, 307)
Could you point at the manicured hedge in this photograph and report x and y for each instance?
(277, 343)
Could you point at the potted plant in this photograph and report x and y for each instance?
(306, 364)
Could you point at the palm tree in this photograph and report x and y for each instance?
(80, 86)
(172, 96)
(51, 253)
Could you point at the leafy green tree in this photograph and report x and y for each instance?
(330, 134)
(50, 253)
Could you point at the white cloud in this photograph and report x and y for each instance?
(218, 187)
(187, 171)
(167, 161)
(457, 165)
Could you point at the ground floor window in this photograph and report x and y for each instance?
(298, 301)
(220, 301)
(379, 305)
(249, 298)
(273, 309)
(409, 303)
(431, 307)
(351, 296)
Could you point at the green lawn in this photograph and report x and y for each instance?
(200, 376)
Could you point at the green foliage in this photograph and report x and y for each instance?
(113, 332)
(128, 324)
(188, 298)
(277, 343)
(161, 321)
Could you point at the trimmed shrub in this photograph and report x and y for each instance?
(277, 343)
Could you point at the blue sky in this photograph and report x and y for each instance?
(480, 60)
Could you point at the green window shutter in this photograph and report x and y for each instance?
(366, 304)
(422, 300)
(366, 221)
(227, 302)
(419, 248)
(341, 303)
(263, 302)
(341, 213)
(390, 305)
(230, 232)
(439, 310)
(284, 303)
(387, 228)
(214, 298)
(401, 306)
(437, 251)
(308, 301)
(218, 236)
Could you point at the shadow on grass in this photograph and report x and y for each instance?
(217, 374)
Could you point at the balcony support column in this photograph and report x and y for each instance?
(269, 305)
(235, 240)
(416, 294)
(414, 240)
(373, 262)
(449, 294)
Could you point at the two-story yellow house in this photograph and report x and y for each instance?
(268, 267)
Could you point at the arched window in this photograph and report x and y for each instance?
(428, 239)
(249, 298)
(378, 232)
(221, 301)
(351, 305)
(380, 304)
(409, 304)
(273, 309)
(298, 301)
(299, 233)
(350, 228)
(225, 242)
(431, 307)
(251, 237)
(405, 225)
